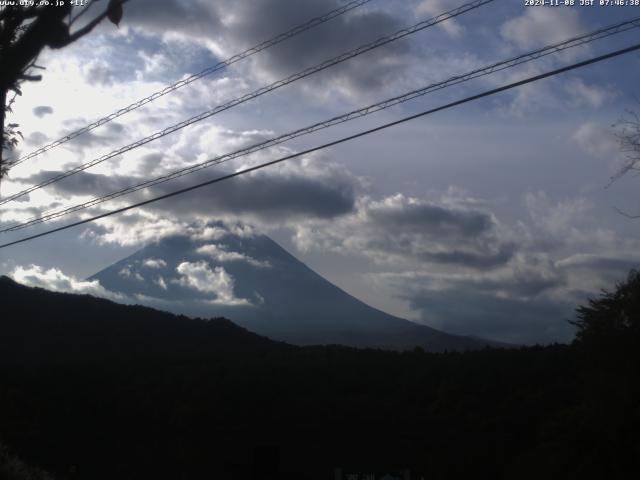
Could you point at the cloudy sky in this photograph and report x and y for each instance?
(491, 219)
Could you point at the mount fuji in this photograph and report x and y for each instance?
(250, 279)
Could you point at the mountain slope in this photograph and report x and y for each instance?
(43, 327)
(260, 286)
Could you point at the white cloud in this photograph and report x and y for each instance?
(126, 272)
(160, 282)
(557, 219)
(591, 95)
(542, 26)
(568, 226)
(136, 228)
(57, 281)
(591, 260)
(436, 7)
(154, 263)
(199, 276)
(596, 139)
(202, 231)
(219, 253)
(208, 233)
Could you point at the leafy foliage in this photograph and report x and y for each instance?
(608, 348)
(26, 28)
(612, 318)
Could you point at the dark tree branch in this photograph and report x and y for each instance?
(628, 136)
(30, 78)
(46, 30)
(24, 32)
(625, 214)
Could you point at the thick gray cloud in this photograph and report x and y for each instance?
(36, 138)
(296, 195)
(530, 301)
(509, 320)
(42, 110)
(457, 268)
(400, 229)
(424, 218)
(82, 183)
(260, 20)
(297, 190)
(526, 301)
(110, 135)
(475, 259)
(263, 197)
(229, 27)
(189, 17)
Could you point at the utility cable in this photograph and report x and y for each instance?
(262, 91)
(192, 78)
(333, 143)
(499, 66)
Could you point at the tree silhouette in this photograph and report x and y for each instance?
(612, 318)
(25, 30)
(608, 340)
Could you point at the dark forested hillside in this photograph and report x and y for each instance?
(94, 390)
(42, 327)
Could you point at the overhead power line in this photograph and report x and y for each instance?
(257, 93)
(455, 80)
(335, 142)
(314, 22)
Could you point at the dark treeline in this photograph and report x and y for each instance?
(94, 390)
